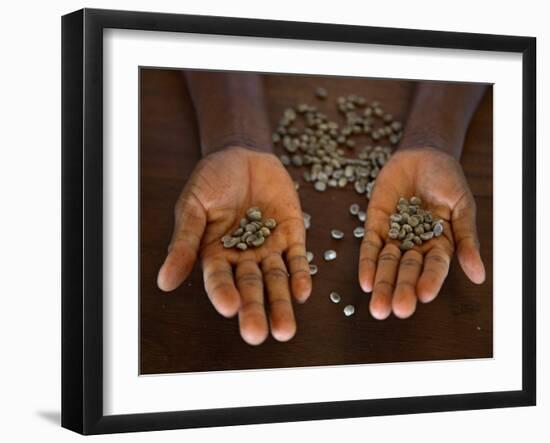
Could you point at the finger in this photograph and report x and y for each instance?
(283, 325)
(384, 282)
(252, 318)
(368, 256)
(436, 268)
(220, 286)
(300, 278)
(186, 238)
(465, 233)
(404, 295)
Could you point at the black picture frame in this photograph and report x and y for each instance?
(82, 219)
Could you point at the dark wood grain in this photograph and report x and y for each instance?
(181, 332)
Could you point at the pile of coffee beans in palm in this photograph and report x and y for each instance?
(252, 231)
(413, 225)
(313, 141)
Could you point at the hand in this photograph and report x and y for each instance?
(398, 279)
(218, 193)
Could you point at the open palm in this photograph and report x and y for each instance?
(398, 279)
(218, 193)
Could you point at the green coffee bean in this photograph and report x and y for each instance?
(394, 233)
(427, 235)
(321, 93)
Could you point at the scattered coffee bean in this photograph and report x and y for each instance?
(318, 141)
(362, 216)
(309, 256)
(321, 93)
(335, 297)
(242, 246)
(336, 234)
(354, 209)
(359, 232)
(406, 245)
(329, 255)
(320, 186)
(313, 269)
(307, 220)
(349, 310)
(285, 159)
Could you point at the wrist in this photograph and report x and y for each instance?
(428, 138)
(228, 141)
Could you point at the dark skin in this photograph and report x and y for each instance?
(238, 171)
(427, 165)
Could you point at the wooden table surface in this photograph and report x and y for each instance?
(181, 332)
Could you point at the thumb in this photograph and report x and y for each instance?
(186, 238)
(463, 219)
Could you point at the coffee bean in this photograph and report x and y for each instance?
(335, 297)
(258, 241)
(406, 245)
(336, 234)
(417, 240)
(414, 221)
(359, 232)
(427, 235)
(231, 242)
(285, 159)
(242, 246)
(254, 214)
(349, 310)
(320, 186)
(394, 233)
(307, 220)
(362, 216)
(329, 255)
(251, 228)
(265, 231)
(238, 232)
(321, 93)
(309, 256)
(270, 223)
(396, 218)
(419, 229)
(297, 160)
(417, 201)
(313, 269)
(437, 229)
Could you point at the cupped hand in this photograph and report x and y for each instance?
(398, 279)
(218, 193)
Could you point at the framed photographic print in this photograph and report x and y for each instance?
(269, 221)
